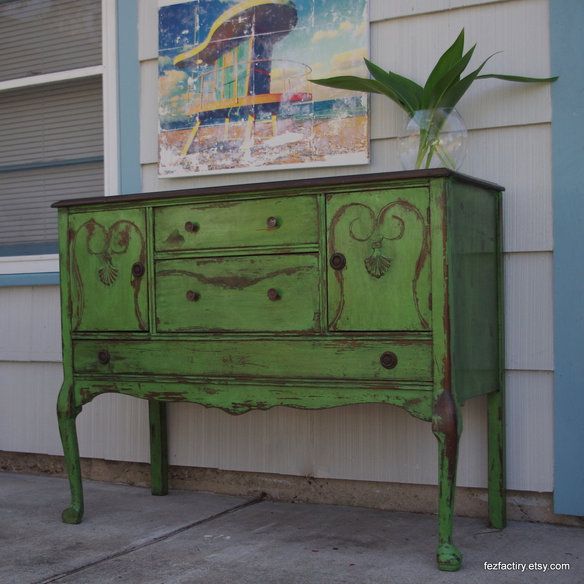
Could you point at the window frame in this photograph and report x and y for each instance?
(43, 268)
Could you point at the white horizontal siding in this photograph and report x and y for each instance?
(529, 312)
(509, 143)
(28, 414)
(30, 324)
(113, 426)
(384, 9)
(368, 442)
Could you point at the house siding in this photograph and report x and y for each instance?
(509, 143)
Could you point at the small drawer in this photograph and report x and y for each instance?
(284, 358)
(276, 293)
(265, 222)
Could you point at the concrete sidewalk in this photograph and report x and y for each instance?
(129, 536)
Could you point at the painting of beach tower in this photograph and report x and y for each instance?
(234, 89)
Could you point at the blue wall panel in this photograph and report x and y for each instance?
(38, 279)
(567, 42)
(128, 97)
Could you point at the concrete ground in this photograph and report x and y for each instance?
(130, 536)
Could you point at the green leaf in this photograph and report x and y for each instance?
(453, 95)
(361, 84)
(448, 59)
(409, 91)
(519, 79)
(349, 82)
(433, 94)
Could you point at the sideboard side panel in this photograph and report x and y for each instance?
(474, 280)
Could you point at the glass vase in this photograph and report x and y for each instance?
(433, 139)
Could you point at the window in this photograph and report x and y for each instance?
(51, 116)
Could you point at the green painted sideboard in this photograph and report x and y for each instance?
(379, 288)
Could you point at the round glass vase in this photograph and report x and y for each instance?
(434, 138)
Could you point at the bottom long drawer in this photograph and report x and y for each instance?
(259, 358)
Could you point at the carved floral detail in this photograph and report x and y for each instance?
(386, 225)
(105, 244)
(377, 264)
(108, 273)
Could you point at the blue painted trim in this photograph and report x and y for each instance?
(50, 164)
(22, 249)
(128, 97)
(37, 279)
(567, 48)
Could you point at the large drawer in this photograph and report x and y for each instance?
(266, 222)
(300, 358)
(262, 293)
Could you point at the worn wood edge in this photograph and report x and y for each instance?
(277, 187)
(237, 399)
(470, 502)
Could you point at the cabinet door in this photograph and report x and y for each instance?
(378, 261)
(107, 262)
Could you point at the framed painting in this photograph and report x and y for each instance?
(235, 92)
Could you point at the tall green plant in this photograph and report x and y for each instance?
(443, 89)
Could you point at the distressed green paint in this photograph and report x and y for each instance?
(236, 224)
(232, 294)
(239, 398)
(496, 459)
(158, 447)
(473, 260)
(103, 248)
(420, 293)
(67, 407)
(150, 268)
(385, 285)
(303, 358)
(496, 404)
(446, 419)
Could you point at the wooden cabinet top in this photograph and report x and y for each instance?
(289, 185)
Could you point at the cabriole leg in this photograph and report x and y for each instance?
(158, 448)
(446, 428)
(496, 433)
(67, 413)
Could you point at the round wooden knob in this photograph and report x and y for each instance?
(272, 222)
(138, 270)
(273, 294)
(388, 360)
(191, 227)
(103, 357)
(338, 261)
(193, 296)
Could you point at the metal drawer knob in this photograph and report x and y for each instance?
(193, 296)
(272, 222)
(273, 294)
(103, 357)
(338, 261)
(138, 270)
(388, 360)
(191, 227)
